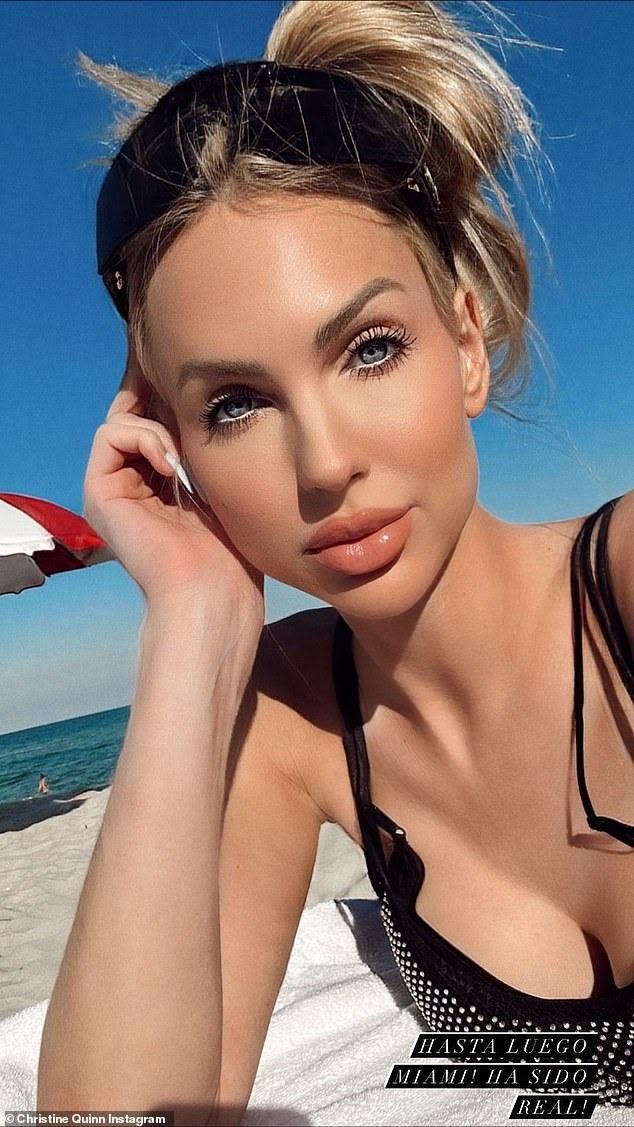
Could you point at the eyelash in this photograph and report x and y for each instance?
(225, 430)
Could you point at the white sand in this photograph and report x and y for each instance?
(43, 864)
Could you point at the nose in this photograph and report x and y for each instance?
(326, 447)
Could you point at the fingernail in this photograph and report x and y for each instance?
(182, 476)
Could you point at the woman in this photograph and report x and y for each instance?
(308, 346)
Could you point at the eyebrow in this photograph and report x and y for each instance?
(217, 370)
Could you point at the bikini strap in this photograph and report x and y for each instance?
(346, 685)
(597, 584)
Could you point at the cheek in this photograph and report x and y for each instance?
(438, 455)
(248, 507)
(434, 435)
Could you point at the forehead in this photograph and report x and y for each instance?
(288, 262)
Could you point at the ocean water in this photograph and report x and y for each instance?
(76, 754)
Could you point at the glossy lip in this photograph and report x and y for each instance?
(369, 555)
(345, 530)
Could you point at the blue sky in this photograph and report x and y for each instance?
(70, 647)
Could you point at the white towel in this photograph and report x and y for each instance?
(343, 1017)
(20, 1037)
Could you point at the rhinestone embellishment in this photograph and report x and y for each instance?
(437, 996)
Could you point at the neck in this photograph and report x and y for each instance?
(461, 652)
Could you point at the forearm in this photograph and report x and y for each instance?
(135, 1017)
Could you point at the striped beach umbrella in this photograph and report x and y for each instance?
(38, 539)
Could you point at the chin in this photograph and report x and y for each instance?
(399, 589)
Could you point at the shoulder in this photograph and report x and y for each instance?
(620, 559)
(619, 554)
(290, 691)
(293, 659)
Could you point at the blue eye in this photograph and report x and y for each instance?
(371, 341)
(377, 339)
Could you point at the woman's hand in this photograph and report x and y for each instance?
(129, 499)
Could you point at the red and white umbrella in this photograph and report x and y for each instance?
(38, 539)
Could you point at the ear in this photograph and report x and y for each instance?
(476, 371)
(154, 405)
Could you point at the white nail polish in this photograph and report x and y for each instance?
(180, 470)
(182, 476)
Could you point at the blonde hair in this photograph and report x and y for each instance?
(421, 51)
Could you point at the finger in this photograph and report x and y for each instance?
(128, 418)
(113, 444)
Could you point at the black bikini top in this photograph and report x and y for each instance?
(449, 987)
(607, 614)
(597, 584)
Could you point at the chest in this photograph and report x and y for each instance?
(513, 876)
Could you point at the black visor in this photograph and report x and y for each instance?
(296, 115)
